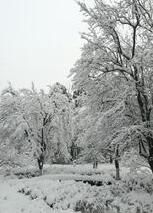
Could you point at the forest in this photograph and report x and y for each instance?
(87, 149)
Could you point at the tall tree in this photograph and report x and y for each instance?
(117, 64)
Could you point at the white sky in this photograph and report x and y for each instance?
(39, 41)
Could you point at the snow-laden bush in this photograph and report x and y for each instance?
(25, 172)
(133, 194)
(67, 190)
(139, 182)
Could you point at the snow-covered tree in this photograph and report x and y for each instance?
(34, 116)
(116, 69)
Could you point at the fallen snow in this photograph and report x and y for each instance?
(13, 202)
(58, 192)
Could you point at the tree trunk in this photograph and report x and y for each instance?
(148, 155)
(41, 157)
(40, 161)
(150, 158)
(116, 161)
(145, 115)
(111, 159)
(117, 167)
(150, 161)
(95, 164)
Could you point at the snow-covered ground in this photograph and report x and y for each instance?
(58, 192)
(11, 201)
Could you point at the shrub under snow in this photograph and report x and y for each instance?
(133, 194)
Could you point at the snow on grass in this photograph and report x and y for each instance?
(86, 169)
(13, 202)
(57, 191)
(55, 169)
(67, 195)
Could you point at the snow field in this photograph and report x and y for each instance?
(58, 191)
(127, 195)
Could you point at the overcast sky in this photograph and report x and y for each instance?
(39, 41)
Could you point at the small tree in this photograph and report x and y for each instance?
(35, 114)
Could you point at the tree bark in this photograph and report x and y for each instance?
(40, 161)
(95, 164)
(150, 161)
(41, 157)
(145, 115)
(117, 165)
(111, 159)
(150, 157)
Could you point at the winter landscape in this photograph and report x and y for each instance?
(88, 148)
